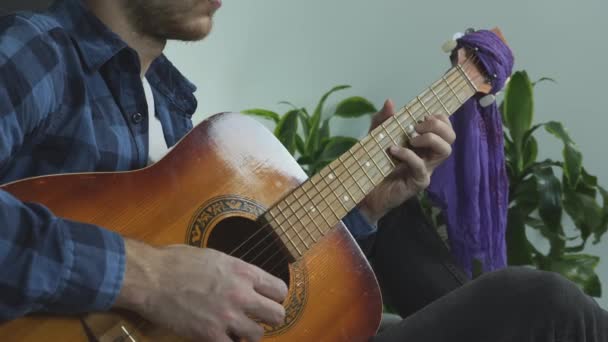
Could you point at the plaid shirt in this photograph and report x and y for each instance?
(71, 100)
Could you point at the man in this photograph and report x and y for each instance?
(73, 98)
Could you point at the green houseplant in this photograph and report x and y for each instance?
(543, 201)
(307, 135)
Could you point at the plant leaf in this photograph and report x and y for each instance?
(579, 268)
(354, 107)
(324, 133)
(543, 79)
(550, 207)
(603, 228)
(519, 251)
(287, 130)
(335, 147)
(305, 121)
(584, 211)
(263, 113)
(518, 108)
(530, 152)
(572, 157)
(525, 195)
(300, 145)
(313, 140)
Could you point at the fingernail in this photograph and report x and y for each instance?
(394, 149)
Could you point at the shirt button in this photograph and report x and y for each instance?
(137, 118)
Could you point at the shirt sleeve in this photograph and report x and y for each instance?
(358, 225)
(47, 264)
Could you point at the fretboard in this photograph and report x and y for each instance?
(313, 209)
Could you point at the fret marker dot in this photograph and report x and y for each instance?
(331, 176)
(313, 209)
(381, 136)
(346, 198)
(368, 164)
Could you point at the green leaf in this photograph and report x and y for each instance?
(335, 147)
(543, 79)
(300, 145)
(354, 107)
(263, 113)
(587, 184)
(287, 130)
(572, 157)
(518, 107)
(324, 133)
(603, 228)
(519, 251)
(550, 207)
(525, 195)
(579, 268)
(584, 211)
(313, 139)
(304, 160)
(305, 121)
(530, 152)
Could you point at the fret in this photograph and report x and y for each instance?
(327, 224)
(409, 112)
(382, 149)
(293, 224)
(466, 77)
(313, 208)
(324, 200)
(423, 106)
(352, 175)
(452, 90)
(348, 197)
(402, 128)
(333, 190)
(362, 167)
(292, 243)
(441, 103)
(373, 160)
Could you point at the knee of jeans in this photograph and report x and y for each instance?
(547, 293)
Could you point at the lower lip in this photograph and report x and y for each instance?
(216, 3)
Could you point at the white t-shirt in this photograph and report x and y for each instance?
(157, 146)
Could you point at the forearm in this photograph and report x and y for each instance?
(49, 264)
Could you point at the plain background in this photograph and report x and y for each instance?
(262, 52)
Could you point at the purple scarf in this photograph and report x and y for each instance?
(471, 187)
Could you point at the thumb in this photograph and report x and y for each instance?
(388, 109)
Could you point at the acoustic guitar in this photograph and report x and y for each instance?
(230, 185)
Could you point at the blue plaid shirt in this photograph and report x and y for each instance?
(71, 100)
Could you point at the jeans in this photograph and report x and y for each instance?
(421, 281)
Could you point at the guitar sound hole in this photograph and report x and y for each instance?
(250, 242)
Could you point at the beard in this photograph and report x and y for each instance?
(186, 20)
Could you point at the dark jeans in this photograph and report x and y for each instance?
(420, 280)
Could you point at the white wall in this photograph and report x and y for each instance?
(262, 52)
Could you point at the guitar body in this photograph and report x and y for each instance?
(208, 192)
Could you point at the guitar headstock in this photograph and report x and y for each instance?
(473, 68)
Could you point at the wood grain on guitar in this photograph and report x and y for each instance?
(230, 185)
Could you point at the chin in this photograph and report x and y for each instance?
(190, 31)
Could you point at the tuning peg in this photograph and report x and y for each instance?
(448, 46)
(487, 100)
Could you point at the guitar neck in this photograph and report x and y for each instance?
(314, 208)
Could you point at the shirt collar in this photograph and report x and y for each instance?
(98, 44)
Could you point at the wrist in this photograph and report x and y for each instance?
(139, 280)
(369, 213)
